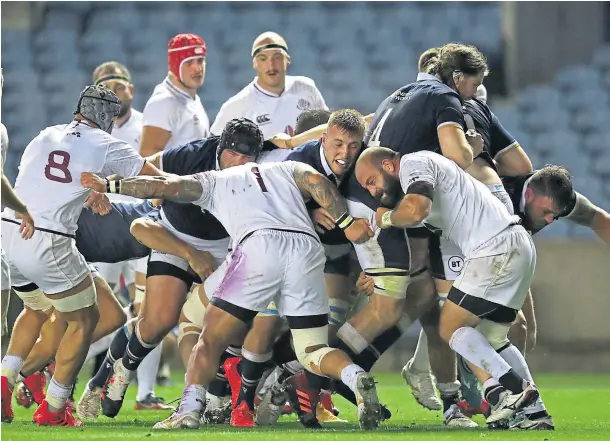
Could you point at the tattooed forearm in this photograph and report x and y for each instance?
(174, 188)
(324, 192)
(584, 211)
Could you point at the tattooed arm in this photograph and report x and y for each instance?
(171, 187)
(588, 214)
(325, 193)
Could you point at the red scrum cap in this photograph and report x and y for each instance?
(184, 47)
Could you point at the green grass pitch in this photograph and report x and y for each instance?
(580, 405)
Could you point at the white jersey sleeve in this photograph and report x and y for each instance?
(235, 107)
(416, 168)
(318, 102)
(160, 113)
(208, 183)
(122, 159)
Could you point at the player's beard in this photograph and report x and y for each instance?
(392, 191)
(530, 225)
(125, 108)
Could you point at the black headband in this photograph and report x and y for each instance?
(259, 49)
(111, 78)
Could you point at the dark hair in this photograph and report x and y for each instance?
(457, 57)
(311, 118)
(349, 120)
(110, 68)
(554, 182)
(427, 59)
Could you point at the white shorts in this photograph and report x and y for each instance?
(112, 272)
(6, 274)
(501, 270)
(51, 261)
(217, 248)
(272, 265)
(140, 265)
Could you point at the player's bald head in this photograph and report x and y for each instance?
(377, 172)
(374, 157)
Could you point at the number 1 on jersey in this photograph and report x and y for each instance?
(259, 179)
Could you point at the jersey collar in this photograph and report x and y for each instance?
(325, 165)
(287, 84)
(426, 77)
(174, 89)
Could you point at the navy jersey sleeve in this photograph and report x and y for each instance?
(269, 146)
(500, 138)
(448, 110)
(184, 159)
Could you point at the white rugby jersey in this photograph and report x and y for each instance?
(272, 113)
(254, 197)
(49, 174)
(175, 111)
(131, 130)
(463, 208)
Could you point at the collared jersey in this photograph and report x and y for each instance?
(463, 209)
(49, 173)
(272, 113)
(175, 111)
(312, 153)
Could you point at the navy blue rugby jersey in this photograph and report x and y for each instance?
(311, 153)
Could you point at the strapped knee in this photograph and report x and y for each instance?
(390, 282)
(81, 300)
(495, 333)
(35, 300)
(192, 330)
(303, 339)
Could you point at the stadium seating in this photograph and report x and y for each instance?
(355, 62)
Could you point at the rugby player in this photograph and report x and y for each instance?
(174, 114)
(169, 277)
(269, 223)
(486, 295)
(273, 100)
(128, 127)
(48, 165)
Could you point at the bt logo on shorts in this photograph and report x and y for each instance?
(455, 264)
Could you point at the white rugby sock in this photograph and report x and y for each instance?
(57, 395)
(147, 373)
(421, 359)
(349, 375)
(11, 365)
(470, 344)
(192, 399)
(515, 359)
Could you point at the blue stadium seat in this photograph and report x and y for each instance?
(554, 141)
(596, 143)
(601, 58)
(577, 76)
(544, 120)
(537, 97)
(587, 100)
(591, 121)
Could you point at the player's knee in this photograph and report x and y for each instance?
(35, 301)
(517, 333)
(187, 328)
(311, 346)
(495, 333)
(386, 310)
(137, 227)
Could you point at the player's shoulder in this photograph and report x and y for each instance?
(300, 81)
(240, 98)
(304, 151)
(136, 116)
(161, 97)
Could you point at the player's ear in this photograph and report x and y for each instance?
(287, 61)
(529, 194)
(131, 89)
(387, 165)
